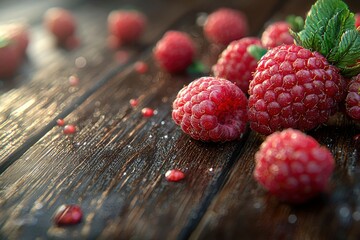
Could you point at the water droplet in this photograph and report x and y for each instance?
(80, 62)
(166, 136)
(292, 218)
(344, 212)
(150, 136)
(38, 205)
(124, 173)
(162, 122)
(211, 169)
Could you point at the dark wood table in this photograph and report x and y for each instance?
(113, 167)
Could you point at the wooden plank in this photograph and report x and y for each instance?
(114, 165)
(26, 113)
(242, 209)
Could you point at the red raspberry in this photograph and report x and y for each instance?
(9, 58)
(61, 23)
(174, 51)
(293, 166)
(357, 20)
(211, 109)
(225, 25)
(126, 25)
(293, 88)
(18, 34)
(352, 101)
(236, 64)
(276, 34)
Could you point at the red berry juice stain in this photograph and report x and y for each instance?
(174, 175)
(122, 56)
(60, 122)
(69, 129)
(74, 80)
(141, 67)
(134, 102)
(147, 112)
(68, 215)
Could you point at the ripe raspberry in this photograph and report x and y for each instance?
(9, 58)
(293, 166)
(61, 23)
(211, 109)
(293, 88)
(174, 51)
(276, 34)
(126, 25)
(236, 64)
(225, 25)
(352, 101)
(18, 34)
(357, 20)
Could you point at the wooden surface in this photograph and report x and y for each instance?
(114, 166)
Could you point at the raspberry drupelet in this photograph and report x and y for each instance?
(293, 88)
(236, 64)
(211, 109)
(293, 166)
(352, 101)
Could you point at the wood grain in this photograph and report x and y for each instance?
(114, 165)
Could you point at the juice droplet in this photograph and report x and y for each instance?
(147, 112)
(174, 175)
(133, 102)
(69, 129)
(74, 80)
(60, 122)
(141, 67)
(68, 215)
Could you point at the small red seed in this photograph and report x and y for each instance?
(147, 112)
(133, 102)
(60, 122)
(141, 67)
(174, 175)
(68, 215)
(69, 129)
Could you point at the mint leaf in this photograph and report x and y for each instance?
(330, 30)
(296, 22)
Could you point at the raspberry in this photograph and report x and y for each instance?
(352, 101)
(61, 23)
(126, 25)
(18, 34)
(10, 59)
(293, 166)
(293, 88)
(276, 34)
(357, 20)
(236, 64)
(174, 51)
(211, 109)
(225, 25)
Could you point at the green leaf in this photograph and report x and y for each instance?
(330, 30)
(4, 42)
(256, 51)
(296, 23)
